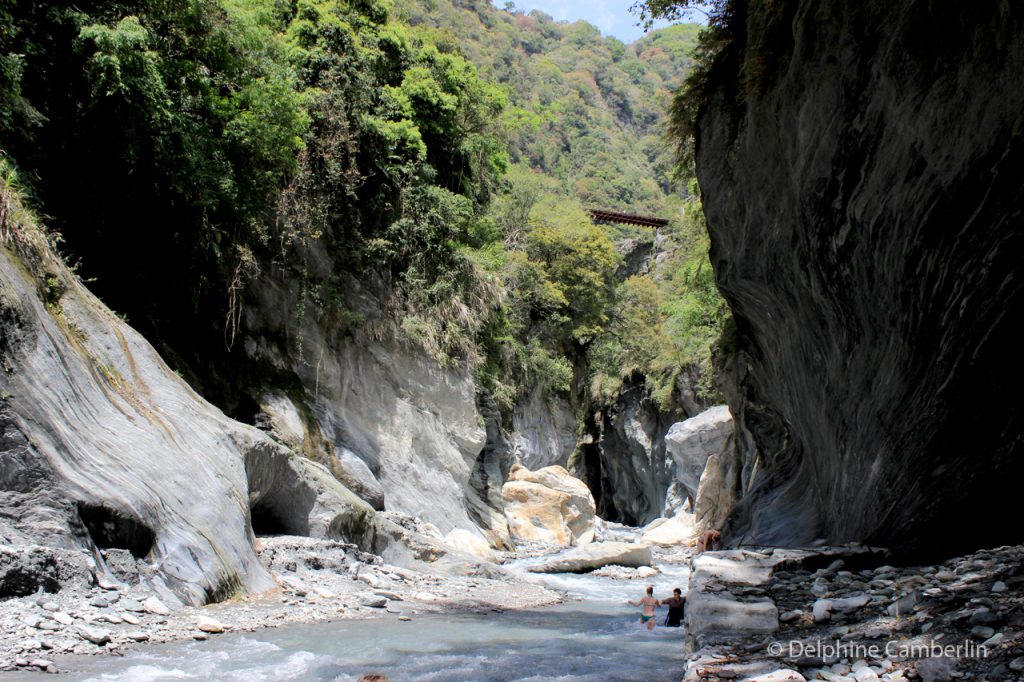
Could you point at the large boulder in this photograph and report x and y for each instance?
(693, 441)
(548, 506)
(595, 555)
(673, 531)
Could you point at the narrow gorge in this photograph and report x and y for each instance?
(402, 325)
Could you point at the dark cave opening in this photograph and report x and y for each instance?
(112, 529)
(267, 521)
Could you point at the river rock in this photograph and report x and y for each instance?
(468, 542)
(778, 676)
(63, 618)
(155, 606)
(131, 605)
(822, 611)
(97, 636)
(596, 555)
(373, 601)
(210, 625)
(667, 532)
(548, 505)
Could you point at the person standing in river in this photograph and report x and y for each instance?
(676, 605)
(649, 603)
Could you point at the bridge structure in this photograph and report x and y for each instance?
(600, 216)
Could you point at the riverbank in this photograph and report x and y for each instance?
(789, 616)
(318, 581)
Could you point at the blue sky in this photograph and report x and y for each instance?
(611, 16)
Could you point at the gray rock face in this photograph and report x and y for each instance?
(865, 215)
(544, 430)
(628, 469)
(104, 446)
(375, 397)
(693, 441)
(291, 495)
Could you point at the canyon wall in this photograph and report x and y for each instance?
(104, 447)
(860, 170)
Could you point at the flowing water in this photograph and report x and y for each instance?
(595, 638)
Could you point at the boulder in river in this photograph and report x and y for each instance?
(548, 505)
(596, 555)
(667, 532)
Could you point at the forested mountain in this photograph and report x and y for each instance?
(184, 151)
(584, 108)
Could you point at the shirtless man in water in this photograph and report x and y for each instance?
(649, 603)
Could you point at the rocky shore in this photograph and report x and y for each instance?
(787, 615)
(318, 580)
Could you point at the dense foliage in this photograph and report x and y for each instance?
(181, 147)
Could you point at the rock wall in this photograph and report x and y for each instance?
(382, 414)
(859, 167)
(543, 430)
(628, 467)
(102, 445)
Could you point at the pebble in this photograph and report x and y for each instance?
(1017, 664)
(99, 602)
(63, 618)
(137, 636)
(132, 605)
(995, 640)
(130, 619)
(821, 611)
(407, 618)
(110, 616)
(373, 601)
(155, 606)
(95, 635)
(107, 584)
(387, 594)
(999, 586)
(211, 625)
(778, 676)
(50, 606)
(865, 674)
(982, 632)
(984, 616)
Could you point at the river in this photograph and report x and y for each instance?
(594, 636)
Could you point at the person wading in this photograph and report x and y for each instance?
(649, 603)
(676, 605)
